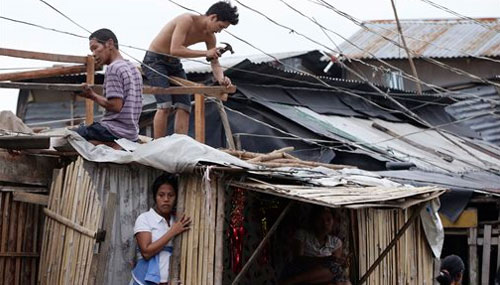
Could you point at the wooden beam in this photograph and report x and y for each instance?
(38, 199)
(89, 104)
(210, 91)
(199, 117)
(400, 233)
(67, 222)
(262, 243)
(19, 254)
(43, 73)
(42, 56)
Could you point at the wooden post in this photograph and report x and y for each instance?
(105, 246)
(219, 234)
(176, 254)
(262, 243)
(485, 268)
(89, 104)
(199, 117)
(473, 263)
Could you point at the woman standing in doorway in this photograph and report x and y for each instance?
(154, 231)
(452, 270)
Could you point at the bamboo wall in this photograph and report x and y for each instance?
(19, 240)
(198, 259)
(409, 262)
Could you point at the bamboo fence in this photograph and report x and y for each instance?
(410, 261)
(72, 218)
(19, 240)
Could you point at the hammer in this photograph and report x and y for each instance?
(228, 47)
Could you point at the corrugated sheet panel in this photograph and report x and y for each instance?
(201, 66)
(482, 114)
(428, 38)
(354, 196)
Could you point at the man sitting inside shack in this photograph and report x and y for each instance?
(122, 90)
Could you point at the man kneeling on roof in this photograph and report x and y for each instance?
(122, 90)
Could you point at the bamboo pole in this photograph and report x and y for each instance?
(199, 117)
(219, 235)
(42, 73)
(42, 56)
(226, 125)
(89, 104)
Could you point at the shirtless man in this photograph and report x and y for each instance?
(174, 40)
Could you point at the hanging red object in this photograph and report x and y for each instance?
(237, 230)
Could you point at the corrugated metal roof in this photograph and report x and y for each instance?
(485, 110)
(428, 38)
(201, 66)
(350, 197)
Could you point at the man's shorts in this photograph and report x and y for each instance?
(96, 132)
(168, 66)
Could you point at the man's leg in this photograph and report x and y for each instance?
(181, 125)
(160, 123)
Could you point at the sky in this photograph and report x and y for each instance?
(136, 23)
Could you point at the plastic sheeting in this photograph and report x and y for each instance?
(175, 153)
(433, 228)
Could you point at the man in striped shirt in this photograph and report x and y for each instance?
(122, 91)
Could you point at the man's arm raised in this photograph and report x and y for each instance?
(216, 68)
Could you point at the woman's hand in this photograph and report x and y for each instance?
(180, 225)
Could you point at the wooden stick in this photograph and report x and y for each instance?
(42, 56)
(89, 104)
(226, 125)
(302, 163)
(262, 243)
(267, 157)
(219, 235)
(393, 242)
(199, 117)
(48, 72)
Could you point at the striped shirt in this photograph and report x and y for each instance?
(123, 80)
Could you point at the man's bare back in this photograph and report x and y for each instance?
(185, 30)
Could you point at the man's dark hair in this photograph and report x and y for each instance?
(451, 268)
(164, 179)
(224, 11)
(103, 35)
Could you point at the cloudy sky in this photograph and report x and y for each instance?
(136, 22)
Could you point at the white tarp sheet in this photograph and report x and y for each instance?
(174, 154)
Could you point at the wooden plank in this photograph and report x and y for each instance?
(485, 271)
(22, 188)
(31, 198)
(211, 91)
(26, 168)
(106, 245)
(473, 262)
(43, 73)
(262, 243)
(175, 261)
(89, 104)
(42, 56)
(24, 142)
(199, 117)
(468, 219)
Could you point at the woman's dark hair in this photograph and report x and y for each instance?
(164, 179)
(224, 11)
(317, 211)
(452, 267)
(103, 35)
